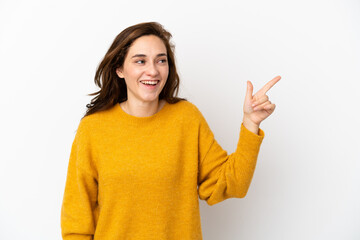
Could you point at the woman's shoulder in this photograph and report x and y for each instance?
(86, 123)
(189, 109)
(183, 105)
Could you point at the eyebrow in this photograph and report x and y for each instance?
(143, 55)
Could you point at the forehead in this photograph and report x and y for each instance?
(148, 45)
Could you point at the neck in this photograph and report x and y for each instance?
(141, 109)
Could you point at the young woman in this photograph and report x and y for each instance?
(142, 157)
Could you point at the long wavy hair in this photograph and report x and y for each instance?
(113, 89)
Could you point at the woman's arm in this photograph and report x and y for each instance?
(222, 176)
(79, 210)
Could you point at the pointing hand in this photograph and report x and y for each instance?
(262, 107)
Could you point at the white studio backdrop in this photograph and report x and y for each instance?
(306, 184)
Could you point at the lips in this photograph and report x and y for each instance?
(150, 80)
(149, 86)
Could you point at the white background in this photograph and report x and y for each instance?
(306, 184)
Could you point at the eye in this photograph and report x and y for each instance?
(163, 61)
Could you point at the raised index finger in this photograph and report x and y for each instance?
(268, 85)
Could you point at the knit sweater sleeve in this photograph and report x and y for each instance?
(222, 176)
(79, 210)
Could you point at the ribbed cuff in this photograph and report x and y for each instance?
(249, 141)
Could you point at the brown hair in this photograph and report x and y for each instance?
(113, 89)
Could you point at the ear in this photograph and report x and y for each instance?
(119, 73)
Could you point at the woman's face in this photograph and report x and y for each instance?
(145, 60)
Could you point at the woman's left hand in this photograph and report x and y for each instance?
(262, 107)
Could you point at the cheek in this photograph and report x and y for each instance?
(133, 74)
(166, 72)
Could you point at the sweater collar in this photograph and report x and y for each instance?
(140, 120)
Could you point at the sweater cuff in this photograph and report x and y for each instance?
(260, 134)
(249, 140)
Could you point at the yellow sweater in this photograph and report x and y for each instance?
(140, 178)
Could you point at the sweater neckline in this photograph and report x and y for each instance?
(141, 120)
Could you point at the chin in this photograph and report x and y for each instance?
(154, 99)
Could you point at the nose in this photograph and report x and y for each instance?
(152, 70)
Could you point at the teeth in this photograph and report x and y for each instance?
(149, 82)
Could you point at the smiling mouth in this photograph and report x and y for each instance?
(150, 83)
